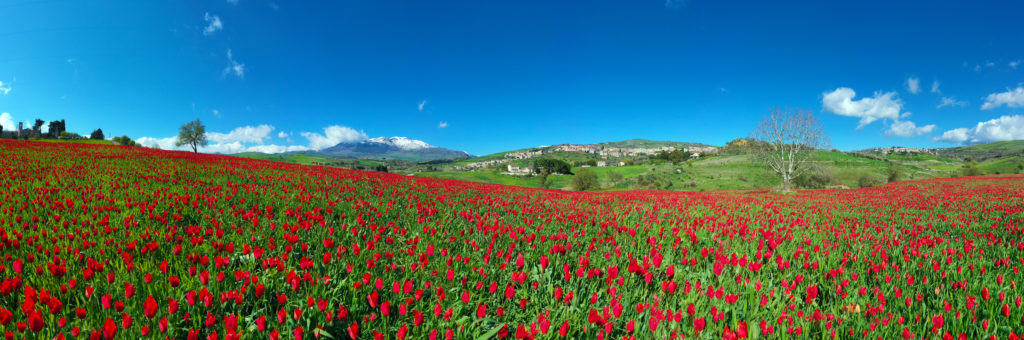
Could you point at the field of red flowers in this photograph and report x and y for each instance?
(106, 242)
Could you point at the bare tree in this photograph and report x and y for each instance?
(786, 140)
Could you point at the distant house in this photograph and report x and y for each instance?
(621, 163)
(602, 163)
(513, 168)
(695, 155)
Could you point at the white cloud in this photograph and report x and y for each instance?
(999, 129)
(914, 85)
(959, 135)
(216, 113)
(421, 105)
(1014, 64)
(333, 135)
(245, 134)
(162, 143)
(234, 67)
(951, 102)
(276, 148)
(935, 87)
(252, 138)
(213, 24)
(442, 125)
(7, 121)
(5, 90)
(880, 106)
(1010, 98)
(908, 129)
(233, 2)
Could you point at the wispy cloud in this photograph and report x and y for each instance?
(880, 106)
(282, 134)
(216, 113)
(421, 105)
(1000, 129)
(914, 85)
(442, 125)
(1014, 64)
(234, 67)
(5, 89)
(213, 24)
(951, 102)
(233, 2)
(935, 87)
(1010, 98)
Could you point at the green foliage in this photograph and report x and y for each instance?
(589, 162)
(551, 166)
(70, 135)
(814, 178)
(970, 168)
(97, 134)
(893, 172)
(56, 128)
(124, 140)
(192, 134)
(584, 180)
(653, 182)
(615, 177)
(866, 181)
(380, 168)
(542, 180)
(676, 156)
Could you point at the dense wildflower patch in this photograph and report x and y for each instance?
(107, 242)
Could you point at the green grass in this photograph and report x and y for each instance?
(297, 158)
(80, 141)
(1003, 166)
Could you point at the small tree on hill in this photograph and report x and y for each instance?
(192, 134)
(97, 134)
(970, 168)
(893, 172)
(584, 180)
(788, 139)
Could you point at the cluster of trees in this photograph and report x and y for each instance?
(56, 129)
(676, 156)
(546, 166)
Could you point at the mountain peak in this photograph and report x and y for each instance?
(403, 143)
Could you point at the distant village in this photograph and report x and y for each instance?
(604, 153)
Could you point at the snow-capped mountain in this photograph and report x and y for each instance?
(403, 143)
(393, 148)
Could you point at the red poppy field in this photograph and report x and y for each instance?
(105, 242)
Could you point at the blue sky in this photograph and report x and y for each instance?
(488, 76)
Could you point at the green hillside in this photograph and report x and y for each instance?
(985, 152)
(726, 171)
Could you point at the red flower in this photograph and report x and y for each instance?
(353, 330)
(109, 329)
(35, 321)
(149, 307)
(481, 310)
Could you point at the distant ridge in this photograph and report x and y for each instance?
(392, 148)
